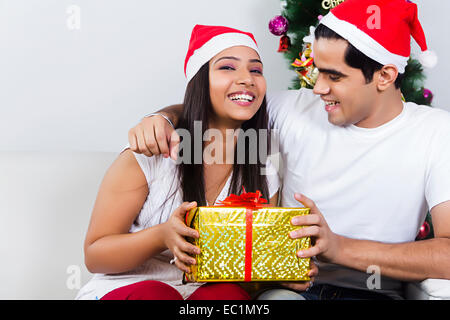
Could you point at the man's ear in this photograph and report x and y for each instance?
(386, 76)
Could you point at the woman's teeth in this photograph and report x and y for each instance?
(332, 103)
(242, 97)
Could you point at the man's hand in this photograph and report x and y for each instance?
(154, 135)
(303, 285)
(325, 243)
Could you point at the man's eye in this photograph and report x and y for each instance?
(334, 78)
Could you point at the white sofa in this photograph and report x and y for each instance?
(45, 206)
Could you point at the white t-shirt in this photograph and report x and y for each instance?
(374, 184)
(160, 174)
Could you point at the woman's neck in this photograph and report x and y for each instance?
(220, 141)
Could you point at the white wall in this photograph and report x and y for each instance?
(82, 89)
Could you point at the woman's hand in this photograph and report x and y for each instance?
(303, 285)
(175, 230)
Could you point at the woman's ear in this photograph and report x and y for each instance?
(386, 76)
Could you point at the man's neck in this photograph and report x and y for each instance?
(387, 108)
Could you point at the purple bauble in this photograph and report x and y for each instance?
(427, 94)
(278, 25)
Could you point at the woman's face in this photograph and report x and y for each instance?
(236, 84)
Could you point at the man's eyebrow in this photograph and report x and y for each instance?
(331, 71)
(237, 59)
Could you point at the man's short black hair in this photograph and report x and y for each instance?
(355, 58)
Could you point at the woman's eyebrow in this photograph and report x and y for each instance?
(255, 60)
(237, 59)
(223, 58)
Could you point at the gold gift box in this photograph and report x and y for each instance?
(242, 244)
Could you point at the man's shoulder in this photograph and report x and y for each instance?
(292, 96)
(431, 117)
(292, 102)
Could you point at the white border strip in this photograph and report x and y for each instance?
(213, 47)
(364, 43)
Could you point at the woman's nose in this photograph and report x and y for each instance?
(245, 78)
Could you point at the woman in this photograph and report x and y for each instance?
(135, 242)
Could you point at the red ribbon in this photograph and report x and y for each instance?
(246, 199)
(251, 201)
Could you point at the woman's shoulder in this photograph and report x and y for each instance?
(155, 167)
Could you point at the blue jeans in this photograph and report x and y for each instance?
(322, 292)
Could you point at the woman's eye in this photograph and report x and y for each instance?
(226, 68)
(256, 71)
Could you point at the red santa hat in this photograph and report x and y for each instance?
(207, 41)
(381, 29)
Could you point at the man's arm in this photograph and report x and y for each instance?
(411, 261)
(154, 135)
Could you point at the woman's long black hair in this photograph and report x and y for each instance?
(198, 107)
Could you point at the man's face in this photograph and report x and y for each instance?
(347, 98)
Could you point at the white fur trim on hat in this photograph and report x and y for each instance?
(364, 43)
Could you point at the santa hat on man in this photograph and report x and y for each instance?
(207, 41)
(381, 29)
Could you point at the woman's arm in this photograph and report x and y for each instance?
(109, 247)
(274, 200)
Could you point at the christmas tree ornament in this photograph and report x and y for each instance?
(278, 25)
(305, 69)
(424, 231)
(428, 95)
(285, 43)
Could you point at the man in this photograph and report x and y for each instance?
(373, 164)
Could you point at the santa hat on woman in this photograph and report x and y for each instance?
(381, 29)
(207, 41)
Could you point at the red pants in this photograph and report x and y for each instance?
(156, 290)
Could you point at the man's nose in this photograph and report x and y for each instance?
(321, 87)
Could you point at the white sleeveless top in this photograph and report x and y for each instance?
(160, 174)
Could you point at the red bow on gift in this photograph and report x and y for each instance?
(246, 199)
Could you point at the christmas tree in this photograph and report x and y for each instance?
(297, 21)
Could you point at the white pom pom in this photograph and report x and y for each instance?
(428, 59)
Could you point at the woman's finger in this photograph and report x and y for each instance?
(183, 208)
(180, 265)
(185, 231)
(189, 248)
(186, 259)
